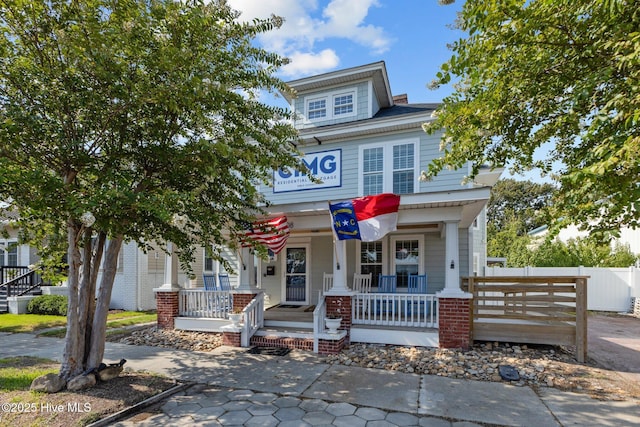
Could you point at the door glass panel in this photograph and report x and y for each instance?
(296, 275)
(406, 260)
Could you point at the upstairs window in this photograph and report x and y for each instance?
(333, 105)
(388, 168)
(403, 168)
(317, 109)
(342, 104)
(373, 170)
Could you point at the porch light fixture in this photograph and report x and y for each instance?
(452, 265)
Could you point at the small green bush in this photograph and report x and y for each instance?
(55, 305)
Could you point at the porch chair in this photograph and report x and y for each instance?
(225, 283)
(209, 282)
(361, 283)
(327, 281)
(417, 285)
(386, 285)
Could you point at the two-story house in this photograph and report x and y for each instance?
(358, 139)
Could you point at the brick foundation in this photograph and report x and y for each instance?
(232, 339)
(167, 303)
(455, 322)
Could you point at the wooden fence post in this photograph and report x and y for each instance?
(581, 319)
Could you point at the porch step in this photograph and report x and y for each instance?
(4, 305)
(300, 338)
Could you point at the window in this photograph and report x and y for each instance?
(330, 106)
(372, 170)
(8, 254)
(406, 260)
(317, 109)
(403, 164)
(371, 260)
(342, 104)
(388, 168)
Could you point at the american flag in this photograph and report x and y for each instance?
(273, 233)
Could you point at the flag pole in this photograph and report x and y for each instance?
(333, 232)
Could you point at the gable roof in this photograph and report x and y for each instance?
(377, 71)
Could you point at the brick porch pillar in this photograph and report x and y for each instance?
(242, 299)
(337, 305)
(454, 322)
(167, 305)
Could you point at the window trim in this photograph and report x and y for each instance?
(387, 166)
(330, 98)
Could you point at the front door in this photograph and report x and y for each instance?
(296, 280)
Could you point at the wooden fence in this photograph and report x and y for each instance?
(535, 310)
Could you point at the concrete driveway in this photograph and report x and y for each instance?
(614, 343)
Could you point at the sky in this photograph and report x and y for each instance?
(410, 36)
(320, 36)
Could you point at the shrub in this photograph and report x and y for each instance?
(55, 305)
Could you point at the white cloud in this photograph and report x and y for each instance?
(311, 63)
(307, 24)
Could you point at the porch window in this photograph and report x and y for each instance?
(371, 260)
(388, 167)
(407, 260)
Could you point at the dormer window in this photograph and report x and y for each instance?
(331, 106)
(343, 104)
(317, 109)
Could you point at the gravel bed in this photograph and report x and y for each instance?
(539, 365)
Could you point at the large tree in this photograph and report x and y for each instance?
(526, 202)
(561, 72)
(132, 120)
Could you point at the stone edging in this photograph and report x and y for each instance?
(138, 406)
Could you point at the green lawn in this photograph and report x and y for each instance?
(36, 322)
(17, 373)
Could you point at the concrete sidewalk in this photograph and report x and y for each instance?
(237, 388)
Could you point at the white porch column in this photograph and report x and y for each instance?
(452, 262)
(247, 274)
(339, 269)
(170, 269)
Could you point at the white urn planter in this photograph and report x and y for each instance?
(332, 324)
(235, 318)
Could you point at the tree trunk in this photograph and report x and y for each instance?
(72, 359)
(98, 336)
(96, 259)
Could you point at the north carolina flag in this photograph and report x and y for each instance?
(367, 218)
(273, 233)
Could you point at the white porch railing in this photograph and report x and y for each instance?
(253, 315)
(319, 314)
(393, 309)
(201, 303)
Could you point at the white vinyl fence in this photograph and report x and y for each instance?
(608, 289)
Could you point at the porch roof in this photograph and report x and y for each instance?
(415, 209)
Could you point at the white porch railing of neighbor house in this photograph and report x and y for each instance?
(201, 303)
(253, 315)
(395, 309)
